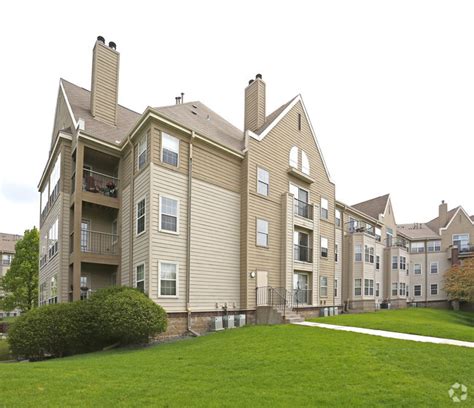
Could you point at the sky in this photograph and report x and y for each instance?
(388, 85)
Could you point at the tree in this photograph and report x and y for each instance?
(20, 283)
(459, 281)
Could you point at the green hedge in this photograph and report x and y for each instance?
(115, 315)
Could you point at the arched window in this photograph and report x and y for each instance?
(294, 157)
(304, 163)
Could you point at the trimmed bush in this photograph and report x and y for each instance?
(127, 316)
(118, 315)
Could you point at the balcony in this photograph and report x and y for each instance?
(303, 209)
(397, 243)
(97, 243)
(466, 250)
(303, 253)
(99, 183)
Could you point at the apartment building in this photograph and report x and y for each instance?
(7, 252)
(183, 205)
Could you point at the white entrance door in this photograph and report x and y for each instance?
(262, 288)
(300, 287)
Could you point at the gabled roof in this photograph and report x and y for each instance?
(274, 118)
(203, 120)
(434, 223)
(79, 101)
(417, 231)
(8, 241)
(374, 206)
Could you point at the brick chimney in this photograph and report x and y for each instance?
(254, 104)
(105, 78)
(443, 214)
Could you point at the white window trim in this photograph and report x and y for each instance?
(135, 281)
(258, 181)
(321, 286)
(326, 247)
(177, 279)
(291, 162)
(358, 287)
(431, 289)
(161, 149)
(136, 217)
(178, 206)
(414, 290)
(322, 208)
(145, 138)
(256, 233)
(414, 269)
(437, 268)
(305, 166)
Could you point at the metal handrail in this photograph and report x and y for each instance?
(303, 253)
(96, 182)
(98, 242)
(303, 209)
(278, 298)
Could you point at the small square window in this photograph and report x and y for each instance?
(169, 149)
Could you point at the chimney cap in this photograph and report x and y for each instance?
(112, 45)
(101, 39)
(250, 81)
(442, 201)
(258, 76)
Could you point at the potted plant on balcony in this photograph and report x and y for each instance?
(111, 189)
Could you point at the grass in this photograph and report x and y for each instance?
(268, 366)
(427, 322)
(4, 351)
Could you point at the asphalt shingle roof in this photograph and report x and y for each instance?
(374, 206)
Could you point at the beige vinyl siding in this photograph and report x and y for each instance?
(126, 168)
(215, 167)
(459, 224)
(62, 118)
(126, 231)
(215, 247)
(166, 246)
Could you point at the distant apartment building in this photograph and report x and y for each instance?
(7, 252)
(201, 216)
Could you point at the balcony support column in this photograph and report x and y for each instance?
(76, 269)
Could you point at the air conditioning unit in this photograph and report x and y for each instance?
(239, 320)
(336, 311)
(331, 311)
(229, 322)
(216, 323)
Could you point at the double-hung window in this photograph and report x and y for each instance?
(417, 269)
(417, 290)
(417, 247)
(434, 246)
(394, 288)
(169, 149)
(262, 233)
(403, 263)
(336, 253)
(335, 287)
(377, 262)
(368, 287)
(394, 262)
(53, 239)
(324, 247)
(378, 234)
(142, 148)
(141, 209)
(461, 241)
(358, 253)
(324, 209)
(168, 278)
(357, 287)
(377, 289)
(140, 277)
(434, 289)
(53, 292)
(338, 218)
(169, 210)
(323, 286)
(263, 181)
(434, 267)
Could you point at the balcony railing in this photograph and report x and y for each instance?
(99, 183)
(397, 242)
(101, 243)
(303, 209)
(303, 253)
(465, 248)
(302, 297)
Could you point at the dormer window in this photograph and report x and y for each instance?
(294, 157)
(304, 163)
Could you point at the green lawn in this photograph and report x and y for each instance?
(428, 322)
(254, 366)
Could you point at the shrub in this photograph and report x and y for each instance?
(127, 316)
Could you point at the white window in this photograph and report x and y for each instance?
(336, 252)
(338, 218)
(263, 181)
(304, 163)
(53, 239)
(357, 287)
(335, 287)
(169, 210)
(42, 294)
(169, 149)
(294, 157)
(417, 247)
(377, 289)
(53, 292)
(142, 152)
(394, 289)
(417, 269)
(140, 277)
(434, 246)
(7, 259)
(141, 208)
(369, 254)
(368, 287)
(324, 247)
(168, 278)
(461, 241)
(262, 233)
(324, 209)
(402, 289)
(434, 289)
(358, 253)
(403, 263)
(434, 267)
(378, 234)
(394, 262)
(54, 179)
(417, 290)
(44, 197)
(377, 262)
(323, 286)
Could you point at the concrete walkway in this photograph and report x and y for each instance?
(389, 334)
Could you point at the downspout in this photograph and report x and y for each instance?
(132, 213)
(188, 242)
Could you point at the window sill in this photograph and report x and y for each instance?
(262, 246)
(168, 232)
(168, 297)
(141, 233)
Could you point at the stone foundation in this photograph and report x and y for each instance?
(311, 312)
(200, 322)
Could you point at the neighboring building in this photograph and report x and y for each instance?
(183, 205)
(201, 216)
(7, 252)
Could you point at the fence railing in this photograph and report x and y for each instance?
(95, 182)
(464, 248)
(303, 209)
(101, 243)
(303, 253)
(278, 298)
(302, 297)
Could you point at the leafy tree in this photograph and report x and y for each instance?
(459, 281)
(20, 283)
